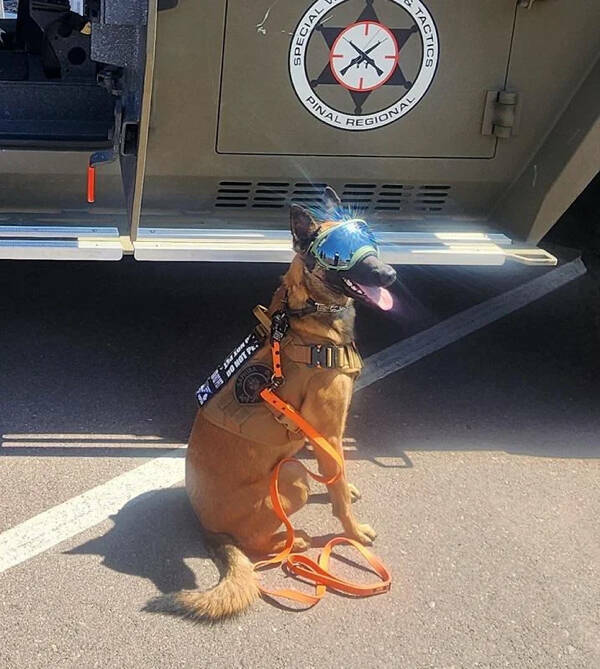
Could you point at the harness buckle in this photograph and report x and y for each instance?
(323, 356)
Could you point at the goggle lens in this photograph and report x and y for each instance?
(342, 246)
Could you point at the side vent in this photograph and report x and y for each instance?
(270, 195)
(357, 197)
(398, 197)
(393, 197)
(307, 194)
(233, 194)
(431, 198)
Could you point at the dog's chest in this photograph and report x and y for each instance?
(239, 409)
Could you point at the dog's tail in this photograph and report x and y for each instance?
(234, 593)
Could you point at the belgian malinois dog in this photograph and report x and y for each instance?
(228, 469)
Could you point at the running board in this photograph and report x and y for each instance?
(24, 242)
(397, 248)
(220, 245)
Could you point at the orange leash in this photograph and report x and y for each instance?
(305, 567)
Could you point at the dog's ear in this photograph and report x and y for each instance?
(302, 226)
(331, 200)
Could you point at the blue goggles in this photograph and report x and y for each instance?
(342, 246)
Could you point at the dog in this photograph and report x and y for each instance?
(228, 468)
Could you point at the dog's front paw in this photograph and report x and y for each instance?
(362, 533)
(301, 544)
(355, 493)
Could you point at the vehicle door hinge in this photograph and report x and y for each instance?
(526, 4)
(501, 114)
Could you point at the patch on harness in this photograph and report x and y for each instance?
(250, 382)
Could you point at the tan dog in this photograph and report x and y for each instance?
(227, 474)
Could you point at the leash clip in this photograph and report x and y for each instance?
(276, 382)
(280, 324)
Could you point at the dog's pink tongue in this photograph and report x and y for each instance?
(379, 296)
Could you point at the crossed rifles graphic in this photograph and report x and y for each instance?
(363, 57)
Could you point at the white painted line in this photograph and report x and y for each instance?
(405, 352)
(64, 521)
(95, 437)
(38, 534)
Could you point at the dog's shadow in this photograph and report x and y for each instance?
(152, 535)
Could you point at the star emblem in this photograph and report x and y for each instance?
(362, 61)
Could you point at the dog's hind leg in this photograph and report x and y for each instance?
(355, 493)
(259, 532)
(276, 543)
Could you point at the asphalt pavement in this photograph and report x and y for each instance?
(479, 467)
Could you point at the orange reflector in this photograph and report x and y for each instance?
(91, 184)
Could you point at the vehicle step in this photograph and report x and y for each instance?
(24, 242)
(397, 248)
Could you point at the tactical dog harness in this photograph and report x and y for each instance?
(244, 401)
(234, 387)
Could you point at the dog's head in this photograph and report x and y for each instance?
(340, 256)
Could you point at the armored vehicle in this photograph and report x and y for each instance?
(183, 129)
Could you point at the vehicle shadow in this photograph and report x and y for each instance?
(107, 365)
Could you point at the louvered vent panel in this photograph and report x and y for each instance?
(233, 194)
(400, 197)
(270, 195)
(356, 197)
(308, 194)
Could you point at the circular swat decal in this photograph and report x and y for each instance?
(363, 64)
(250, 382)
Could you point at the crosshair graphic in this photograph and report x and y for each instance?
(364, 56)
